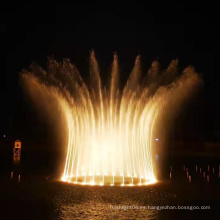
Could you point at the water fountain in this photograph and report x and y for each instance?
(111, 132)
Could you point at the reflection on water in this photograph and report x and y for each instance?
(38, 197)
(77, 202)
(103, 211)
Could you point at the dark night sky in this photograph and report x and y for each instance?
(34, 32)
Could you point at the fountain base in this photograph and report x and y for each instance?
(108, 180)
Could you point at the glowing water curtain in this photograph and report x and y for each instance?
(111, 130)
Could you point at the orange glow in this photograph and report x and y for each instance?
(111, 132)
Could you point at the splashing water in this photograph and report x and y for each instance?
(111, 132)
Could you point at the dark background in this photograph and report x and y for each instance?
(32, 32)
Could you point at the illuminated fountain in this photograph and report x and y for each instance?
(111, 131)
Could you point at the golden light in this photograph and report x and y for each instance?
(111, 132)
